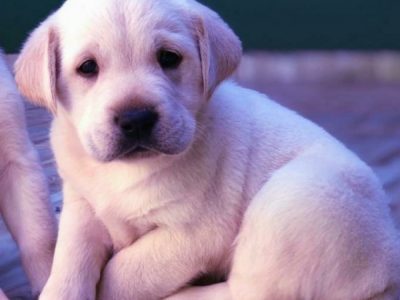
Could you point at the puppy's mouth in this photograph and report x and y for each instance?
(120, 149)
(136, 151)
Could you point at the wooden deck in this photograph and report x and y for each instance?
(365, 116)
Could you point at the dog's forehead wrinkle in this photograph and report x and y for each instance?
(125, 22)
(174, 41)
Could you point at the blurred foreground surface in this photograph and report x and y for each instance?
(354, 97)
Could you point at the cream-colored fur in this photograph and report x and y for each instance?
(233, 184)
(23, 189)
(2, 296)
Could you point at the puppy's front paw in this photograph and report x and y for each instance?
(48, 294)
(37, 270)
(65, 293)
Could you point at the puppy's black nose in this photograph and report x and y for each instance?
(136, 123)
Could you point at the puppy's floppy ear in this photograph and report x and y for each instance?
(36, 66)
(220, 49)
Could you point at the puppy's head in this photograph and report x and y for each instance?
(130, 75)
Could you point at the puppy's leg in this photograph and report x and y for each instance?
(316, 233)
(82, 248)
(389, 294)
(28, 215)
(218, 291)
(221, 291)
(155, 266)
(23, 187)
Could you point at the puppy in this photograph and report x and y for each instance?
(171, 172)
(23, 189)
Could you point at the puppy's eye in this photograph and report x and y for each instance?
(168, 59)
(89, 68)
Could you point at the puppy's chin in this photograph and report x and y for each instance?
(118, 151)
(112, 153)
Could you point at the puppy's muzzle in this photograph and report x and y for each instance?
(136, 127)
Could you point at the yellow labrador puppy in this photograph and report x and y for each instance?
(172, 172)
(23, 188)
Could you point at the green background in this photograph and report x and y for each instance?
(261, 24)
